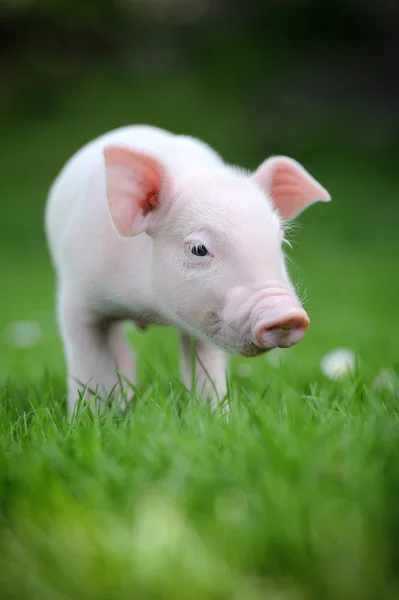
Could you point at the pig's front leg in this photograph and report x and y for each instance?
(92, 351)
(123, 359)
(210, 370)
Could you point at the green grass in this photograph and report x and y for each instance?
(296, 496)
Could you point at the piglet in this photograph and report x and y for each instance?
(156, 228)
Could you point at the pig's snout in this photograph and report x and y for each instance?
(269, 317)
(283, 331)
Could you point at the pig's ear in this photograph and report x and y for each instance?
(134, 182)
(290, 187)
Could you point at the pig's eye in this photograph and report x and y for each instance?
(198, 249)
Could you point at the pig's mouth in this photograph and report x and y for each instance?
(249, 350)
(262, 336)
(252, 351)
(231, 339)
(242, 347)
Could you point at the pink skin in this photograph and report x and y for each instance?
(122, 225)
(270, 318)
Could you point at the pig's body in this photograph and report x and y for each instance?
(156, 183)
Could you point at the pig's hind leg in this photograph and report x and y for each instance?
(210, 370)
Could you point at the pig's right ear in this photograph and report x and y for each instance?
(134, 183)
(290, 187)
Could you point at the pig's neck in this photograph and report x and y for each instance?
(128, 290)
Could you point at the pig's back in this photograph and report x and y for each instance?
(183, 154)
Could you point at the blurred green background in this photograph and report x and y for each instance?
(314, 80)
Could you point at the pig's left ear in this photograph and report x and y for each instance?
(290, 187)
(135, 182)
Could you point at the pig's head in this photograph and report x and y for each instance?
(218, 264)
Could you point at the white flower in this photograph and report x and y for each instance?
(338, 363)
(22, 334)
(244, 370)
(275, 357)
(385, 380)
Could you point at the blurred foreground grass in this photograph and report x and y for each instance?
(296, 497)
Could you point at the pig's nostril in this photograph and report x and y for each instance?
(298, 323)
(283, 334)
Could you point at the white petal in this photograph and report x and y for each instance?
(385, 380)
(244, 370)
(22, 334)
(338, 363)
(275, 357)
